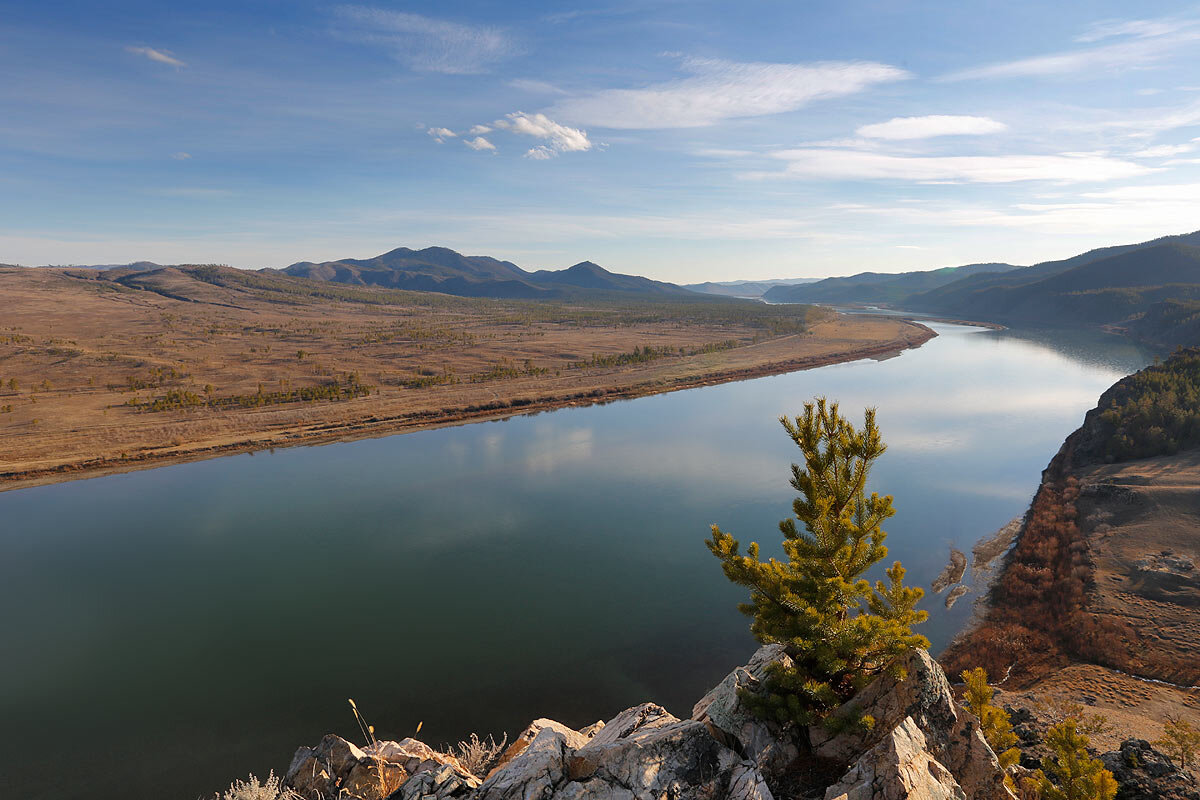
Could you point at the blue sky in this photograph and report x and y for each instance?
(685, 141)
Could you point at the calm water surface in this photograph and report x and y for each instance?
(167, 631)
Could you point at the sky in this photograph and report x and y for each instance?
(681, 140)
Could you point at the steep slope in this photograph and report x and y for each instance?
(877, 287)
(985, 294)
(1118, 289)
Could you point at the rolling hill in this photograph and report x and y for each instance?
(1150, 289)
(876, 287)
(989, 294)
(439, 269)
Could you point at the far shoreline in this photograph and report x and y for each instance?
(382, 426)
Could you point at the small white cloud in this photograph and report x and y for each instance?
(930, 126)
(161, 56)
(181, 156)
(560, 138)
(478, 130)
(719, 90)
(441, 134)
(428, 44)
(858, 165)
(479, 143)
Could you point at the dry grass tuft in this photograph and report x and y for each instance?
(270, 789)
(478, 755)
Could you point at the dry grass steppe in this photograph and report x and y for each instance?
(112, 370)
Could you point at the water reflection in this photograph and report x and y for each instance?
(474, 577)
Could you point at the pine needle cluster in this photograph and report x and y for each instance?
(993, 720)
(838, 629)
(1070, 773)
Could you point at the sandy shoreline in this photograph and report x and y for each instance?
(378, 426)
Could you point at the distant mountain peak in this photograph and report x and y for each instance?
(588, 266)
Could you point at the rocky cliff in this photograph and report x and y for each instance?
(922, 744)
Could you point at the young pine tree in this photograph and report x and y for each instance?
(1180, 740)
(1071, 774)
(997, 728)
(839, 630)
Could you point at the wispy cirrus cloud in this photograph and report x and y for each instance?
(1140, 28)
(428, 44)
(1143, 42)
(864, 165)
(930, 126)
(161, 56)
(718, 90)
(559, 138)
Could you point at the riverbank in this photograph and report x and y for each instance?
(1098, 604)
(139, 379)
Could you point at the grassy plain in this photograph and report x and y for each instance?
(107, 371)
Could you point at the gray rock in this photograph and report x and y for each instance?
(898, 768)
(534, 774)
(952, 734)
(631, 720)
(644, 753)
(772, 747)
(575, 739)
(1143, 773)
(680, 761)
(321, 772)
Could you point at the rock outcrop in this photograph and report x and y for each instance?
(952, 735)
(1143, 773)
(923, 745)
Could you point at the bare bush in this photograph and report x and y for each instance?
(478, 755)
(270, 789)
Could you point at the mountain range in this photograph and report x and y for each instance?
(1149, 289)
(745, 289)
(877, 287)
(439, 269)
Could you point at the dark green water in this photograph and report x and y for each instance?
(164, 632)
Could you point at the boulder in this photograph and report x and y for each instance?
(952, 734)
(1143, 773)
(574, 739)
(772, 747)
(322, 772)
(414, 755)
(534, 774)
(677, 760)
(631, 720)
(336, 768)
(899, 767)
(644, 753)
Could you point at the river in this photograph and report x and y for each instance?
(169, 630)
